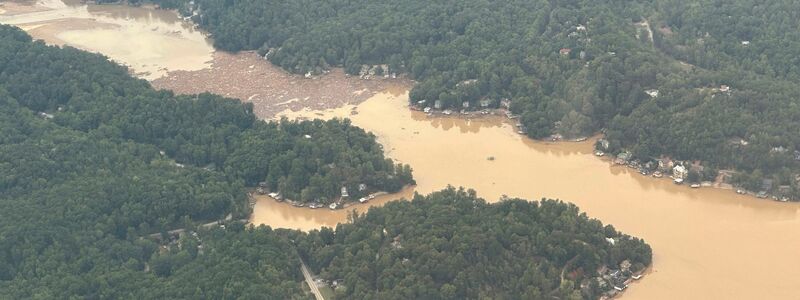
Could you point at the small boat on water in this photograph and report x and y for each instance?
(695, 185)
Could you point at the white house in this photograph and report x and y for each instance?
(680, 172)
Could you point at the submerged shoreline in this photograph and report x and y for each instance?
(696, 233)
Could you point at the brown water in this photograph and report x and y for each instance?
(149, 41)
(708, 243)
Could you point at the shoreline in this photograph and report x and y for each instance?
(556, 139)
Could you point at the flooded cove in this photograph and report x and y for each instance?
(151, 42)
(708, 243)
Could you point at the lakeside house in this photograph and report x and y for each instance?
(565, 51)
(680, 172)
(344, 192)
(505, 103)
(653, 93)
(46, 116)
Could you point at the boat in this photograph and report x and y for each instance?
(740, 192)
(333, 206)
(363, 200)
(599, 153)
(695, 185)
(371, 197)
(657, 174)
(678, 180)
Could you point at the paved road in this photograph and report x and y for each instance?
(310, 281)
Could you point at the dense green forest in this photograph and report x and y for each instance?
(303, 160)
(92, 159)
(453, 245)
(568, 67)
(96, 168)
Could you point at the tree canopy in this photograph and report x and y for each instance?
(721, 70)
(453, 245)
(105, 185)
(94, 160)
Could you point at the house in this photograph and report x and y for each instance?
(426, 110)
(724, 88)
(625, 156)
(45, 115)
(745, 43)
(604, 144)
(362, 187)
(680, 172)
(465, 104)
(565, 51)
(505, 103)
(344, 192)
(665, 164)
(437, 104)
(580, 28)
(307, 136)
(779, 149)
(653, 93)
(738, 142)
(485, 103)
(625, 265)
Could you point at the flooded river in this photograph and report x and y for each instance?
(149, 41)
(708, 243)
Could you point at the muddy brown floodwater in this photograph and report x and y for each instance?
(707, 243)
(151, 42)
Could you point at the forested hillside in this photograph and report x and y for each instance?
(686, 79)
(92, 160)
(96, 168)
(453, 245)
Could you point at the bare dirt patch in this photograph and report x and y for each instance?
(250, 78)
